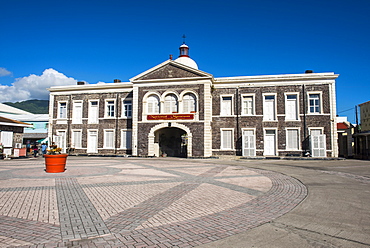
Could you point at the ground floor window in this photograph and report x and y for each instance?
(126, 137)
(249, 143)
(227, 139)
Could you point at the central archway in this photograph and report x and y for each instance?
(170, 140)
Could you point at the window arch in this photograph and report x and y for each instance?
(153, 104)
(189, 103)
(170, 103)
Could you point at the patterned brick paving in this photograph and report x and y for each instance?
(137, 202)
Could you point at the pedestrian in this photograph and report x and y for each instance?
(43, 148)
(35, 150)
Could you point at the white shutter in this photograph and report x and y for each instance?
(291, 109)
(226, 105)
(108, 139)
(7, 138)
(318, 147)
(93, 112)
(76, 139)
(269, 108)
(77, 113)
(292, 139)
(227, 139)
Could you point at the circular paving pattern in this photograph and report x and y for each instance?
(124, 202)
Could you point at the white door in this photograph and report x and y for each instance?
(270, 143)
(318, 148)
(92, 142)
(249, 144)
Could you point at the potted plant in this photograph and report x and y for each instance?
(55, 161)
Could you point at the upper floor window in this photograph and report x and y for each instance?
(127, 108)
(62, 110)
(170, 104)
(110, 108)
(247, 105)
(291, 107)
(226, 105)
(314, 106)
(269, 108)
(153, 104)
(77, 112)
(93, 117)
(189, 103)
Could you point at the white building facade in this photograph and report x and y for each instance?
(175, 109)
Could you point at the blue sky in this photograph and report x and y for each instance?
(99, 41)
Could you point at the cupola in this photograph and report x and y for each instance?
(184, 57)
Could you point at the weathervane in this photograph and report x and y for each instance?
(184, 37)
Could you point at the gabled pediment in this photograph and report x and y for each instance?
(170, 70)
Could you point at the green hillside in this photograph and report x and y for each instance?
(33, 106)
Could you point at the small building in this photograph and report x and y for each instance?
(38, 132)
(11, 136)
(175, 109)
(345, 137)
(362, 137)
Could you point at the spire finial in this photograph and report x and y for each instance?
(183, 37)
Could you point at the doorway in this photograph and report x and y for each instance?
(171, 142)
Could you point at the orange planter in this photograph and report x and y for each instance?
(55, 163)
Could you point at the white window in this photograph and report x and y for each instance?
(93, 117)
(108, 138)
(226, 105)
(126, 139)
(249, 143)
(292, 139)
(170, 104)
(6, 138)
(189, 103)
(76, 138)
(247, 105)
(110, 108)
(62, 110)
(314, 106)
(269, 108)
(227, 139)
(291, 107)
(153, 104)
(317, 142)
(127, 108)
(77, 112)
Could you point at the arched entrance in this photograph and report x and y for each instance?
(172, 142)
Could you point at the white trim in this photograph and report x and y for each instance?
(231, 141)
(151, 137)
(105, 131)
(299, 148)
(308, 93)
(275, 106)
(264, 140)
(297, 105)
(253, 95)
(232, 105)
(106, 110)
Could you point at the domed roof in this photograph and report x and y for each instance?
(187, 61)
(184, 57)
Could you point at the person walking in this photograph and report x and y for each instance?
(35, 150)
(43, 148)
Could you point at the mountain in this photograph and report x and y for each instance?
(33, 106)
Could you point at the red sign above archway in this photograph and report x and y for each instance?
(171, 117)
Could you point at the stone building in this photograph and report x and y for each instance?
(175, 109)
(362, 137)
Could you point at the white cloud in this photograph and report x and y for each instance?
(34, 86)
(4, 72)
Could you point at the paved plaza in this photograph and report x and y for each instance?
(165, 202)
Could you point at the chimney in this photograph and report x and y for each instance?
(80, 83)
(117, 80)
(308, 71)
